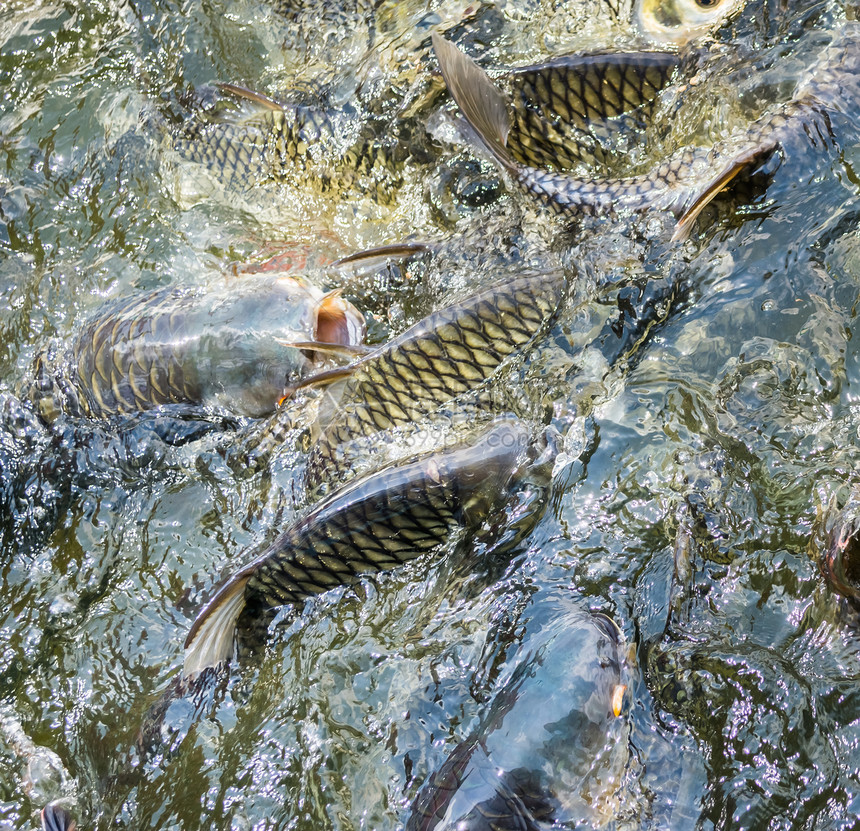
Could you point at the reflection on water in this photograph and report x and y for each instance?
(703, 397)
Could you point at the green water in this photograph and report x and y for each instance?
(725, 431)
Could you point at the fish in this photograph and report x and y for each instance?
(268, 141)
(56, 818)
(836, 547)
(550, 749)
(265, 140)
(685, 182)
(234, 348)
(448, 354)
(375, 523)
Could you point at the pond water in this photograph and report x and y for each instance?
(692, 463)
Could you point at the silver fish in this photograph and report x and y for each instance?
(234, 348)
(550, 749)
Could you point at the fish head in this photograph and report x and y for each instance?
(678, 21)
(485, 465)
(339, 322)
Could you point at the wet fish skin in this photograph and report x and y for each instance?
(272, 142)
(550, 725)
(373, 524)
(685, 182)
(447, 354)
(173, 346)
(562, 110)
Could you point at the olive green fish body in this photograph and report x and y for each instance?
(549, 752)
(227, 348)
(448, 354)
(565, 111)
(373, 524)
(277, 142)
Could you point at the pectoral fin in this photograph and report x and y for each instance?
(250, 95)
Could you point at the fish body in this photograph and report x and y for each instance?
(565, 111)
(373, 524)
(683, 183)
(446, 355)
(550, 750)
(267, 141)
(227, 348)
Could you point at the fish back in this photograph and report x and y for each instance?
(448, 354)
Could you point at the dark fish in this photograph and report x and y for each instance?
(551, 749)
(446, 355)
(685, 182)
(55, 818)
(230, 348)
(375, 523)
(839, 556)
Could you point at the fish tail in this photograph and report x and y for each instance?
(482, 103)
(210, 641)
(55, 818)
(743, 160)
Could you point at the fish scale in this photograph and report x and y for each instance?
(375, 523)
(561, 109)
(277, 140)
(446, 355)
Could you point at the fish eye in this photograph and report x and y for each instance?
(707, 4)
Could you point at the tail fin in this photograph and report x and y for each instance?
(210, 641)
(738, 163)
(55, 818)
(482, 103)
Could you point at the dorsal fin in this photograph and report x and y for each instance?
(482, 103)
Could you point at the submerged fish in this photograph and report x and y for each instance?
(551, 749)
(375, 523)
(228, 348)
(56, 818)
(271, 141)
(837, 549)
(448, 354)
(685, 182)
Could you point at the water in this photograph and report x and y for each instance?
(721, 435)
